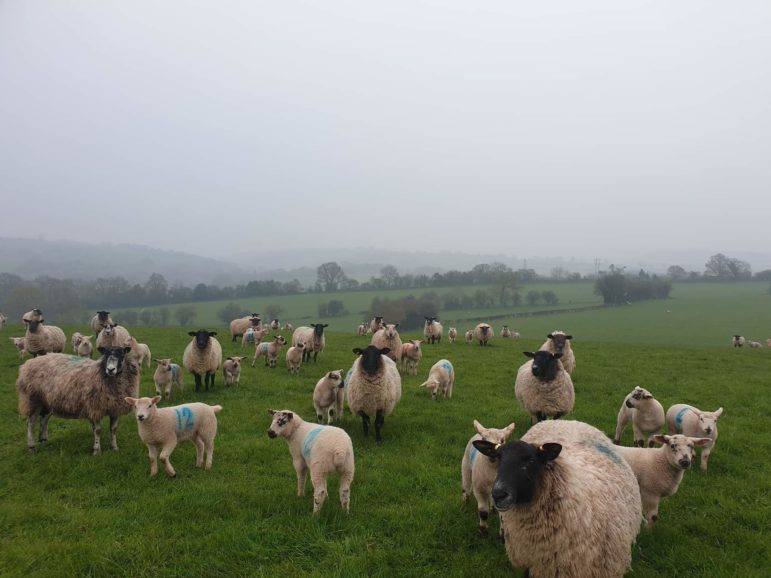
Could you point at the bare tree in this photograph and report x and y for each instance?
(330, 275)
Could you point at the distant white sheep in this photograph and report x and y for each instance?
(270, 350)
(411, 354)
(754, 344)
(100, 320)
(21, 346)
(470, 336)
(737, 341)
(388, 338)
(231, 370)
(452, 334)
(85, 348)
(483, 333)
(238, 326)
(559, 342)
(432, 330)
(441, 378)
(294, 358)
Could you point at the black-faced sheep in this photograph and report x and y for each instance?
(483, 333)
(203, 356)
(113, 335)
(100, 320)
(388, 338)
(374, 387)
(312, 337)
(543, 387)
(432, 330)
(238, 326)
(41, 339)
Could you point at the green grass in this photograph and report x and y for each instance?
(66, 512)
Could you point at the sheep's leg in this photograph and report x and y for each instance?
(152, 453)
(44, 427)
(199, 449)
(639, 436)
(319, 481)
(365, 422)
(197, 377)
(209, 446)
(483, 509)
(449, 389)
(166, 455)
(379, 420)
(330, 415)
(345, 490)
(96, 426)
(650, 507)
(114, 432)
(621, 422)
(302, 471)
(704, 460)
(31, 432)
(465, 474)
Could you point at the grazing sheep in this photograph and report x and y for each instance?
(75, 340)
(166, 374)
(693, 422)
(113, 335)
(559, 342)
(452, 334)
(738, 341)
(374, 387)
(389, 338)
(231, 370)
(33, 315)
(100, 320)
(441, 378)
(543, 387)
(569, 504)
(328, 396)
(76, 387)
(167, 426)
(432, 330)
(41, 339)
(270, 350)
(21, 346)
(141, 351)
(376, 324)
(483, 333)
(275, 325)
(322, 449)
(659, 471)
(411, 354)
(754, 344)
(288, 327)
(645, 413)
(238, 326)
(505, 332)
(85, 347)
(203, 356)
(294, 358)
(313, 337)
(478, 474)
(470, 336)
(253, 336)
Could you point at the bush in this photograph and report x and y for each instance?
(332, 308)
(408, 311)
(231, 311)
(550, 298)
(185, 314)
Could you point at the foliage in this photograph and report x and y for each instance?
(407, 311)
(617, 288)
(726, 268)
(231, 311)
(185, 314)
(332, 308)
(550, 298)
(330, 275)
(532, 297)
(273, 311)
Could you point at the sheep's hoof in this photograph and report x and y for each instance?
(32, 449)
(483, 532)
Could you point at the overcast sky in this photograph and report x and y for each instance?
(559, 128)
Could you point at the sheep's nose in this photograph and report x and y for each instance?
(708, 430)
(685, 464)
(141, 418)
(271, 433)
(500, 494)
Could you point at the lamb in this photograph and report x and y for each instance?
(754, 344)
(374, 387)
(483, 333)
(328, 396)
(238, 326)
(75, 340)
(505, 332)
(569, 504)
(361, 330)
(85, 348)
(432, 330)
(100, 320)
(659, 471)
(515, 335)
(376, 324)
(411, 354)
(41, 339)
(33, 315)
(470, 336)
(452, 334)
(294, 358)
(738, 341)
(21, 346)
(270, 350)
(645, 413)
(254, 336)
(318, 448)
(389, 338)
(288, 327)
(231, 370)
(113, 335)
(693, 422)
(203, 356)
(313, 337)
(76, 387)
(166, 374)
(275, 325)
(3, 320)
(141, 351)
(559, 342)
(478, 474)
(543, 387)
(167, 426)
(441, 378)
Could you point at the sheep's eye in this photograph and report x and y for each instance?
(673, 448)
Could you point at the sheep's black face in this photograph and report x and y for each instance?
(202, 337)
(34, 324)
(113, 359)
(559, 340)
(103, 315)
(545, 364)
(371, 358)
(318, 329)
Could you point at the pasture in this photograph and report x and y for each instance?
(66, 512)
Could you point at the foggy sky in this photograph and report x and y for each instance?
(593, 128)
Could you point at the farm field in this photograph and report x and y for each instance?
(66, 512)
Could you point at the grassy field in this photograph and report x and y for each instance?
(66, 512)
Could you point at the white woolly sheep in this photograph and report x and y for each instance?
(76, 387)
(515, 335)
(21, 346)
(113, 335)
(441, 378)
(432, 330)
(328, 396)
(270, 349)
(167, 374)
(203, 356)
(253, 336)
(659, 471)
(165, 427)
(288, 327)
(754, 344)
(411, 354)
(374, 387)
(559, 342)
(543, 387)
(483, 333)
(312, 337)
(33, 315)
(506, 332)
(231, 370)
(389, 338)
(361, 330)
(100, 320)
(693, 422)
(737, 341)
(3, 320)
(294, 358)
(320, 449)
(41, 339)
(275, 325)
(85, 348)
(452, 334)
(569, 504)
(376, 324)
(141, 352)
(768, 342)
(645, 413)
(478, 473)
(75, 340)
(238, 326)
(470, 336)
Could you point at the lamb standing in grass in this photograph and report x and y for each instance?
(85, 348)
(319, 449)
(470, 336)
(452, 334)
(141, 351)
(253, 336)
(483, 333)
(693, 422)
(388, 338)
(645, 413)
(328, 396)
(166, 374)
(270, 350)
(376, 324)
(432, 330)
(288, 327)
(231, 370)
(294, 358)
(312, 337)
(21, 346)
(559, 342)
(411, 354)
(75, 340)
(203, 356)
(543, 387)
(441, 378)
(505, 332)
(754, 344)
(374, 388)
(167, 426)
(41, 339)
(738, 341)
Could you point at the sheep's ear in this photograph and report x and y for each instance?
(385, 351)
(718, 412)
(550, 451)
(156, 399)
(289, 415)
(556, 355)
(126, 350)
(509, 429)
(131, 400)
(550, 336)
(325, 325)
(357, 350)
(478, 427)
(212, 333)
(396, 325)
(102, 350)
(700, 441)
(661, 439)
(489, 449)
(192, 333)
(529, 354)
(271, 411)
(568, 337)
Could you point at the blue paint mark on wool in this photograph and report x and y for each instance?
(472, 455)
(608, 452)
(310, 439)
(77, 360)
(448, 366)
(264, 347)
(679, 419)
(186, 413)
(174, 369)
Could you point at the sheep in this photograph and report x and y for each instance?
(738, 341)
(288, 327)
(483, 333)
(441, 378)
(76, 387)
(515, 335)
(328, 396)
(645, 413)
(659, 471)
(505, 332)
(85, 348)
(768, 342)
(322, 449)
(100, 320)
(238, 326)
(478, 475)
(141, 351)
(294, 358)
(569, 504)
(693, 422)
(361, 330)
(21, 346)
(452, 334)
(203, 356)
(33, 315)
(41, 339)
(167, 426)
(3, 320)
(231, 370)
(559, 342)
(411, 354)
(113, 335)
(252, 335)
(432, 330)
(313, 337)
(376, 324)
(270, 350)
(167, 374)
(275, 325)
(470, 336)
(389, 338)
(543, 387)
(754, 344)
(374, 387)
(75, 340)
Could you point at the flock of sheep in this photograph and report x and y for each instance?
(570, 500)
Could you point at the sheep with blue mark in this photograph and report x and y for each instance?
(166, 375)
(318, 449)
(441, 378)
(269, 349)
(691, 421)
